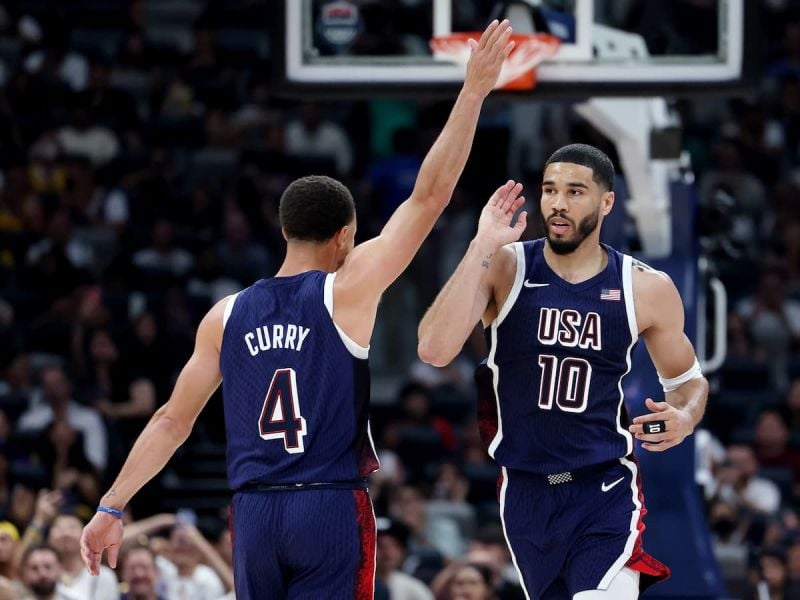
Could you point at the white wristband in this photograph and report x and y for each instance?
(674, 383)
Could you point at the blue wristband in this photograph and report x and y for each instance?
(112, 511)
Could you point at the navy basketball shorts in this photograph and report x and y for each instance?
(303, 544)
(575, 535)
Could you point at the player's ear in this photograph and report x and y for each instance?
(283, 233)
(607, 203)
(341, 236)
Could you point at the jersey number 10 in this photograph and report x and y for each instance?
(567, 383)
(280, 416)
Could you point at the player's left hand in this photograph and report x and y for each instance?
(678, 425)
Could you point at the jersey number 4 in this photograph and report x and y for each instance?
(567, 383)
(280, 416)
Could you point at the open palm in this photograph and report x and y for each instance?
(495, 225)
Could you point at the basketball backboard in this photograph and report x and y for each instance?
(609, 47)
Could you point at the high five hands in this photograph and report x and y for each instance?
(487, 57)
(494, 226)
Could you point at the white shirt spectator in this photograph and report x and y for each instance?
(405, 587)
(176, 260)
(326, 141)
(204, 584)
(82, 419)
(103, 587)
(96, 143)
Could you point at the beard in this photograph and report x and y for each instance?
(43, 589)
(584, 229)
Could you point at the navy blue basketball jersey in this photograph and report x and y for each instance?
(558, 354)
(295, 387)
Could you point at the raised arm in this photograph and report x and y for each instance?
(470, 293)
(659, 312)
(372, 266)
(167, 430)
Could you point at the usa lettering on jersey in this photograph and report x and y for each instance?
(570, 328)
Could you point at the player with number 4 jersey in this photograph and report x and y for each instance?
(561, 316)
(291, 352)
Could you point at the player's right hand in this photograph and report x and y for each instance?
(494, 227)
(103, 531)
(487, 56)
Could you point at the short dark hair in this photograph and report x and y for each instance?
(587, 156)
(41, 547)
(315, 207)
(483, 570)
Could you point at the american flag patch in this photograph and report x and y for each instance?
(610, 294)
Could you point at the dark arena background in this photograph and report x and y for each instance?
(144, 146)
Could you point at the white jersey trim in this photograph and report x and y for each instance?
(503, 488)
(354, 348)
(627, 290)
(498, 437)
(519, 277)
(229, 309)
(634, 527)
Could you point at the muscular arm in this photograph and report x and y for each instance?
(470, 293)
(660, 315)
(374, 265)
(462, 302)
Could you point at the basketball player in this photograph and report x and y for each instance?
(291, 352)
(562, 315)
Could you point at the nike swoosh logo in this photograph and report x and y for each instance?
(528, 284)
(605, 487)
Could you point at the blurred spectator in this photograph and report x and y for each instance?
(65, 538)
(434, 533)
(311, 136)
(9, 538)
(729, 528)
(146, 354)
(53, 59)
(793, 561)
(130, 414)
(489, 548)
(748, 193)
(98, 361)
(140, 575)
(770, 575)
(59, 406)
(62, 454)
(392, 546)
(183, 574)
(740, 483)
(771, 443)
(110, 106)
(239, 256)
(709, 455)
(85, 138)
(415, 412)
(793, 404)
(60, 259)
(17, 376)
(41, 574)
(468, 581)
(163, 254)
(774, 323)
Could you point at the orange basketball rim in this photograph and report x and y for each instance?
(519, 69)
